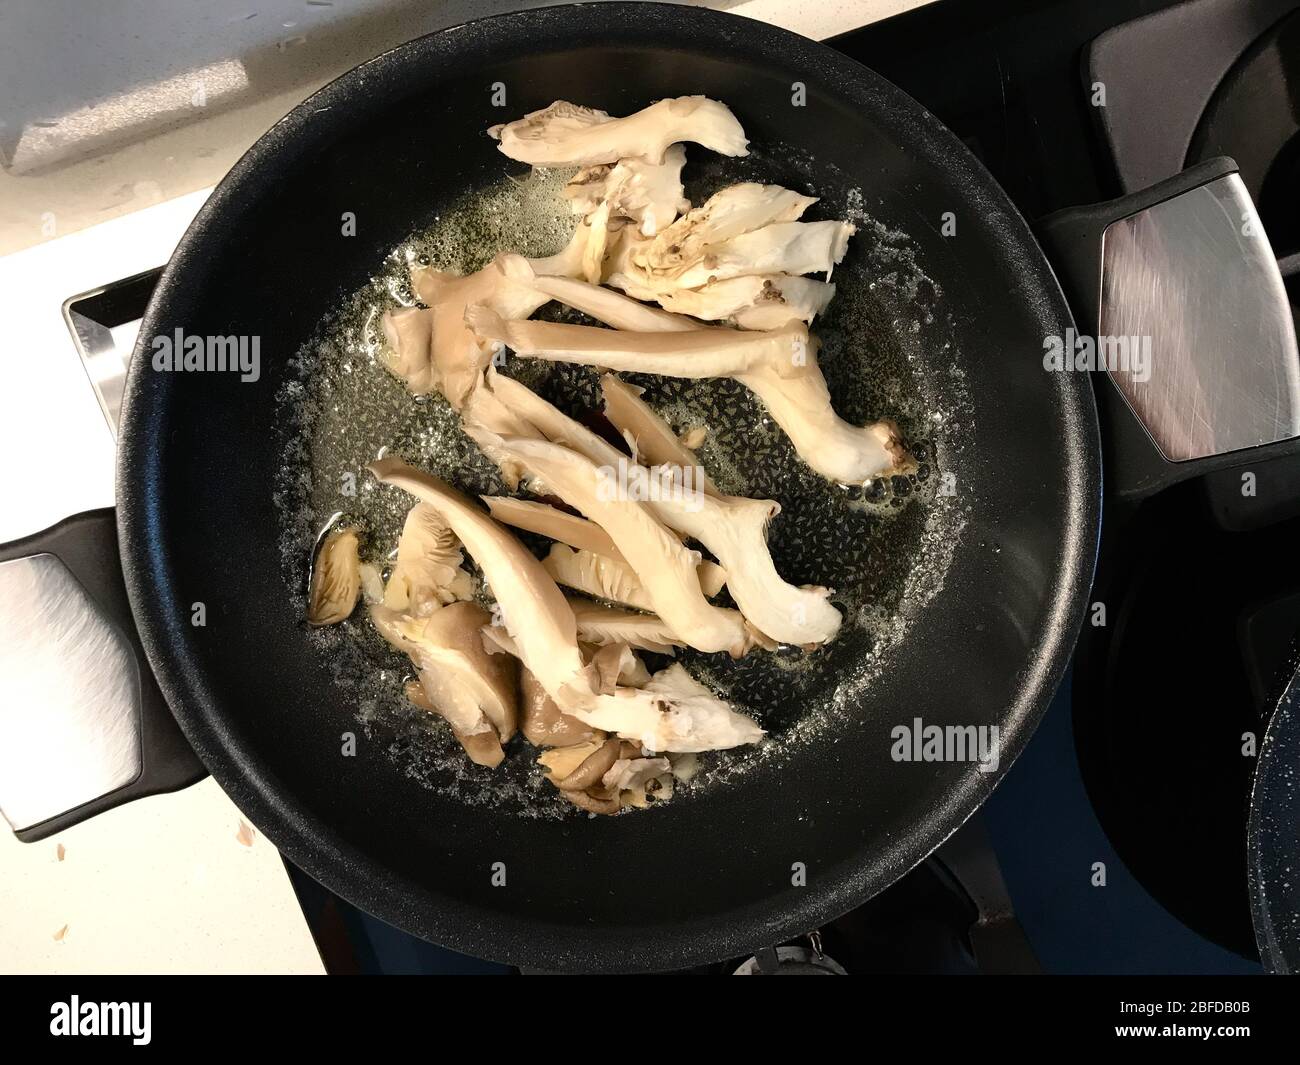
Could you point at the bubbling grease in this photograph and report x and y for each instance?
(884, 550)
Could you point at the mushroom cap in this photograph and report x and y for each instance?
(464, 683)
(335, 578)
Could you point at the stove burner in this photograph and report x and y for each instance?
(792, 961)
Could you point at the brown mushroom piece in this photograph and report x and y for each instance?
(335, 579)
(484, 748)
(586, 801)
(542, 722)
(474, 691)
(408, 350)
(455, 357)
(618, 666)
(592, 768)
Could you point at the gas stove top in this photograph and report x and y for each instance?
(1117, 842)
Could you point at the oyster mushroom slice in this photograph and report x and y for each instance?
(543, 628)
(601, 625)
(427, 573)
(593, 252)
(542, 722)
(596, 575)
(697, 353)
(666, 569)
(672, 712)
(633, 774)
(617, 666)
(475, 692)
(565, 134)
(485, 418)
(589, 771)
(372, 583)
(463, 682)
(335, 579)
(647, 194)
(603, 304)
(483, 747)
(408, 350)
(459, 356)
(838, 450)
(735, 530)
(534, 610)
(728, 213)
(732, 527)
(781, 248)
(567, 262)
(779, 366)
(758, 301)
(554, 524)
(654, 440)
(603, 577)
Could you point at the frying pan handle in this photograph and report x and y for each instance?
(1185, 324)
(85, 726)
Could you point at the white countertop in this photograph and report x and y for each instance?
(171, 883)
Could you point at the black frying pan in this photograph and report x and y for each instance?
(712, 874)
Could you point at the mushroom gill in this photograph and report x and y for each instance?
(599, 624)
(605, 578)
(649, 195)
(427, 573)
(335, 579)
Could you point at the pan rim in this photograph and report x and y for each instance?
(311, 843)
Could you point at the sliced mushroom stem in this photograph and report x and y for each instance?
(553, 523)
(699, 353)
(666, 569)
(779, 366)
(604, 304)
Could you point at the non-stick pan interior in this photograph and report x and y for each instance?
(713, 872)
(884, 551)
